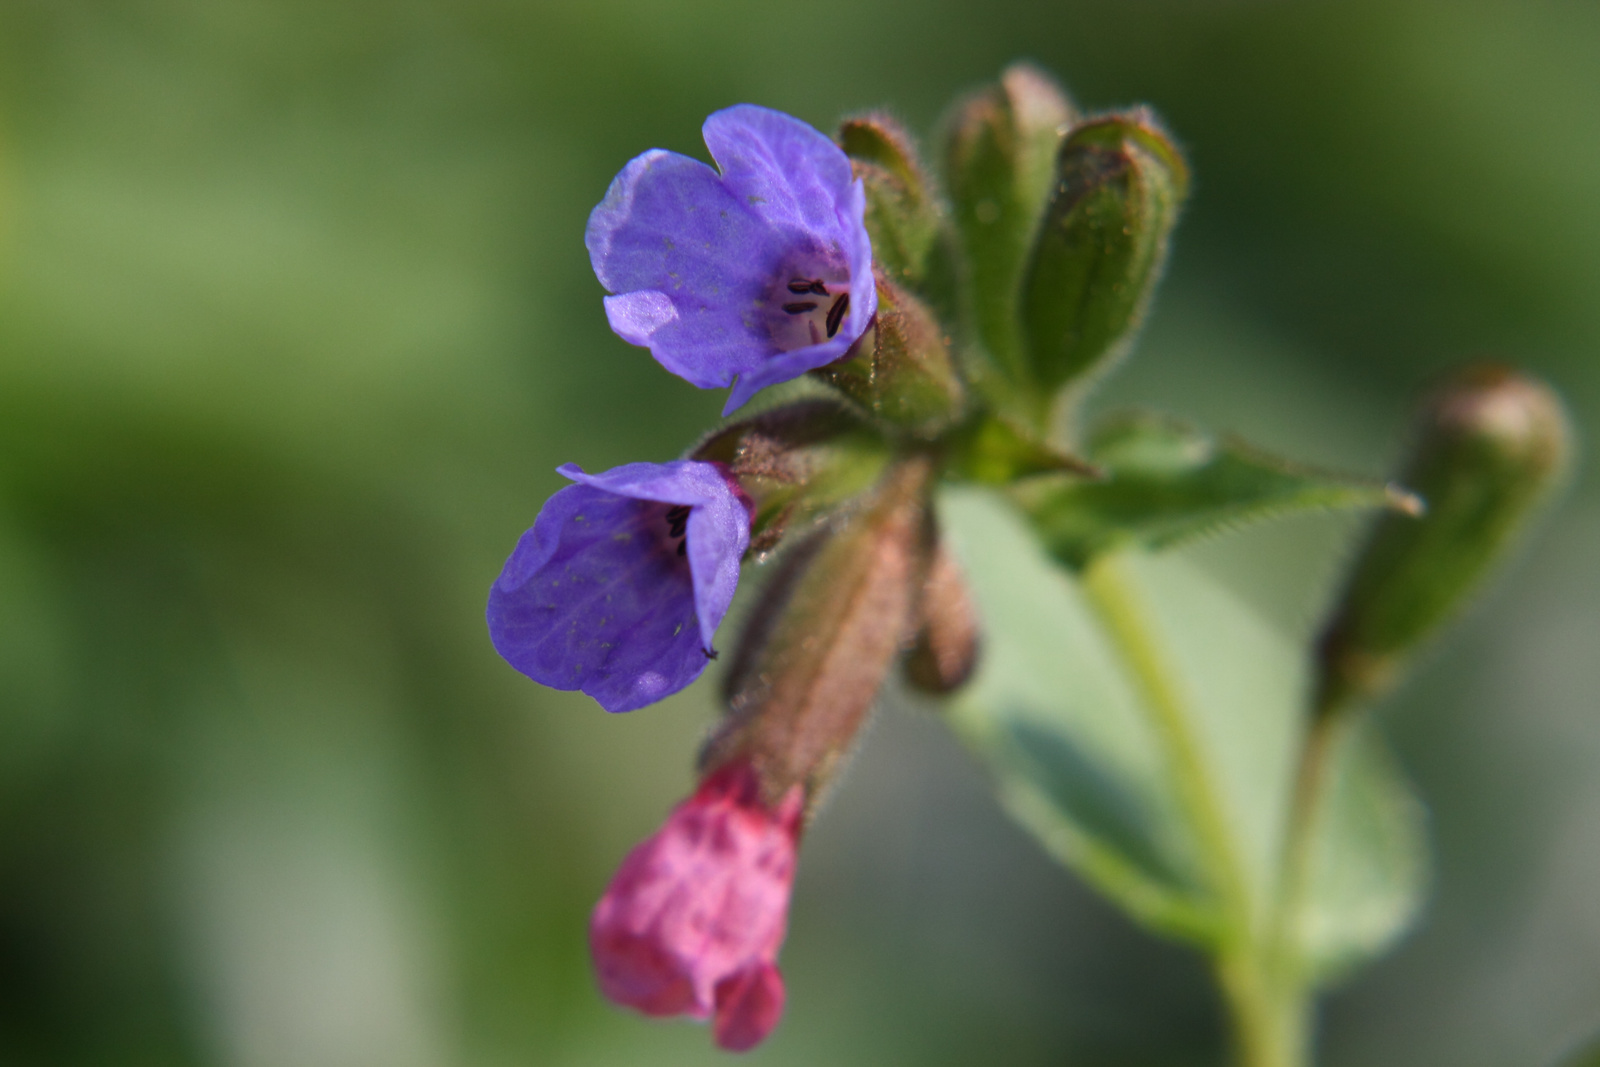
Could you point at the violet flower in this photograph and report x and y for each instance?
(692, 922)
(747, 278)
(619, 586)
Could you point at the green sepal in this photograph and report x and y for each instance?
(796, 463)
(903, 215)
(901, 370)
(1167, 482)
(1119, 184)
(991, 451)
(999, 160)
(1490, 445)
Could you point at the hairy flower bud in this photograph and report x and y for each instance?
(1490, 444)
(796, 462)
(903, 216)
(947, 642)
(1118, 185)
(824, 637)
(1000, 151)
(903, 373)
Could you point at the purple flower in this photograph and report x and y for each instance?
(621, 583)
(747, 278)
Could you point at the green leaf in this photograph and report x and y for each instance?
(1368, 862)
(1172, 807)
(1169, 482)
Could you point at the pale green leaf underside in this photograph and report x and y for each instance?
(1080, 760)
(1369, 866)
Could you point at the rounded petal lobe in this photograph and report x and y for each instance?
(749, 1005)
(589, 601)
(669, 226)
(602, 594)
(794, 175)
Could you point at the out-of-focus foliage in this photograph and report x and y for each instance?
(295, 323)
(1085, 761)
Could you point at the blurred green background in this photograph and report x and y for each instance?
(295, 322)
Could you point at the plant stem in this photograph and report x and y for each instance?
(1268, 1008)
(1265, 996)
(1114, 597)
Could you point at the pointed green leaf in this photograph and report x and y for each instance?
(1173, 807)
(1168, 482)
(1369, 859)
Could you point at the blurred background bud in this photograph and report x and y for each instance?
(1489, 444)
(1101, 248)
(999, 153)
(948, 639)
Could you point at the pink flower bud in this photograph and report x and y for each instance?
(692, 922)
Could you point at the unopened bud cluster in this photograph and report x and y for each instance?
(948, 325)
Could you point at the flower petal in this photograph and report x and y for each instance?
(705, 898)
(792, 174)
(597, 596)
(589, 601)
(749, 1005)
(719, 525)
(668, 226)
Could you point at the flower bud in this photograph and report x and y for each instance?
(1000, 150)
(903, 216)
(828, 628)
(692, 922)
(1489, 446)
(903, 373)
(1118, 185)
(947, 643)
(796, 462)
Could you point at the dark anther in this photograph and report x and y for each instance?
(836, 313)
(801, 308)
(808, 285)
(710, 653)
(683, 547)
(677, 520)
